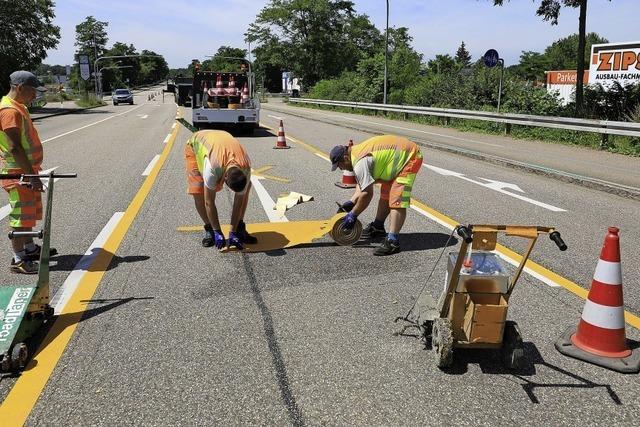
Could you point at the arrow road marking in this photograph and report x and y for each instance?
(498, 186)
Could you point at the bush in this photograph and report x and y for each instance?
(89, 100)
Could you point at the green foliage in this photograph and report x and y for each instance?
(463, 57)
(89, 100)
(618, 102)
(222, 61)
(27, 33)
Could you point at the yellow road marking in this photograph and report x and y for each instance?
(23, 396)
(572, 287)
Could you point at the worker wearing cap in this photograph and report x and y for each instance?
(391, 161)
(215, 158)
(21, 152)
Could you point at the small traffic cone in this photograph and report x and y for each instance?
(348, 177)
(282, 141)
(245, 94)
(219, 88)
(231, 88)
(600, 336)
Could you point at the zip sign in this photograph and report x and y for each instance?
(615, 62)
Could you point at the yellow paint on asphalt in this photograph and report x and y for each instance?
(279, 235)
(23, 396)
(260, 173)
(567, 284)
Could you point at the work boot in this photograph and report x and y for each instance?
(34, 255)
(208, 240)
(371, 232)
(24, 266)
(244, 235)
(388, 247)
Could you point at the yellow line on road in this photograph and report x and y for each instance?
(25, 393)
(572, 287)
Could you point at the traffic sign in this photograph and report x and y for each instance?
(84, 66)
(491, 58)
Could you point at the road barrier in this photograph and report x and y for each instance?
(604, 127)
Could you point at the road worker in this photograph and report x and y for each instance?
(391, 161)
(215, 158)
(21, 152)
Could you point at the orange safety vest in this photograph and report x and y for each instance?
(29, 140)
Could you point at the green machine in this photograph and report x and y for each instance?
(23, 308)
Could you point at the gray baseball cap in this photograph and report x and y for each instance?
(27, 79)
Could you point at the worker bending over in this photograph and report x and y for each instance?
(391, 161)
(215, 158)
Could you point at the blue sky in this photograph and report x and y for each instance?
(185, 29)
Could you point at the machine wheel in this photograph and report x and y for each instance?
(19, 355)
(5, 363)
(442, 342)
(512, 347)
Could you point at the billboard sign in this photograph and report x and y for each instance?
(615, 62)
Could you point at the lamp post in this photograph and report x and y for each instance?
(95, 63)
(386, 53)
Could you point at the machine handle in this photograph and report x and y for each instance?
(38, 234)
(555, 236)
(465, 233)
(33, 175)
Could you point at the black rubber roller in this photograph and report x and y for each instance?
(555, 236)
(465, 233)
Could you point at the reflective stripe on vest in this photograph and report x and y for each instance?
(390, 154)
(29, 141)
(224, 149)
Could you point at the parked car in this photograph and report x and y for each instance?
(121, 96)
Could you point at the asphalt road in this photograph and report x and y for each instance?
(178, 334)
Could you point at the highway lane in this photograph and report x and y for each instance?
(608, 167)
(305, 335)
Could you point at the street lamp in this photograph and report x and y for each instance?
(95, 63)
(386, 53)
(106, 68)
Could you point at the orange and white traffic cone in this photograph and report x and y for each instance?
(245, 94)
(282, 141)
(219, 89)
(231, 87)
(348, 177)
(600, 336)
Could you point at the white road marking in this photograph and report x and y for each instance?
(166, 139)
(322, 157)
(173, 126)
(91, 124)
(276, 117)
(6, 209)
(353, 119)
(496, 186)
(267, 201)
(152, 163)
(144, 117)
(70, 285)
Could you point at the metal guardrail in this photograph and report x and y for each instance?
(604, 127)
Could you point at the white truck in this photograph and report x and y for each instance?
(224, 99)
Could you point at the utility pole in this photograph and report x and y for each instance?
(386, 54)
(580, 69)
(95, 52)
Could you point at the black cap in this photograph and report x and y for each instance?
(336, 155)
(26, 78)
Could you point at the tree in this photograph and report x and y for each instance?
(27, 34)
(550, 11)
(315, 39)
(91, 39)
(441, 64)
(563, 54)
(221, 60)
(532, 66)
(463, 57)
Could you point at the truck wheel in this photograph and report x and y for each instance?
(442, 342)
(512, 347)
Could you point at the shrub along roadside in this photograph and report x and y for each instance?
(90, 100)
(616, 144)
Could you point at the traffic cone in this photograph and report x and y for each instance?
(245, 94)
(231, 88)
(282, 141)
(219, 88)
(600, 336)
(348, 177)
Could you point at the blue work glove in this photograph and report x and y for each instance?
(346, 206)
(219, 238)
(349, 221)
(235, 240)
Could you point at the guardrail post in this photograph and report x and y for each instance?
(507, 129)
(447, 120)
(604, 142)
(405, 116)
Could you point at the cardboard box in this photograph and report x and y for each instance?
(484, 318)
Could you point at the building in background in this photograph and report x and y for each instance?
(563, 82)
